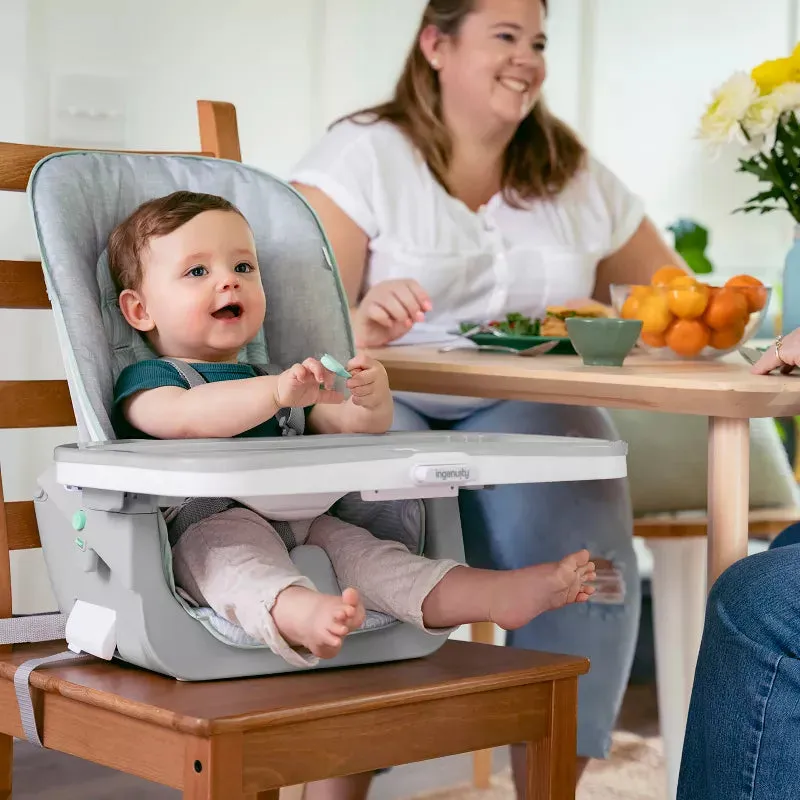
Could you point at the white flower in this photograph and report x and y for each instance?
(723, 118)
(786, 97)
(762, 118)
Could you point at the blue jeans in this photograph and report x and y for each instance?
(518, 525)
(743, 734)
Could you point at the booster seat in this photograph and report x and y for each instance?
(103, 535)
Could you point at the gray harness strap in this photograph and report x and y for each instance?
(24, 690)
(34, 628)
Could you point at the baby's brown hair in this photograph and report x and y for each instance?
(158, 217)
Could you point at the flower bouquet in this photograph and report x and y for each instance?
(759, 112)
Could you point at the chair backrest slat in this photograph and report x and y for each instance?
(17, 161)
(23, 533)
(35, 404)
(22, 285)
(46, 404)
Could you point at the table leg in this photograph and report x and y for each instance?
(728, 493)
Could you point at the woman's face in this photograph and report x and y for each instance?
(494, 69)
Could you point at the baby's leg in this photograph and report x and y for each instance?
(388, 577)
(236, 563)
(439, 594)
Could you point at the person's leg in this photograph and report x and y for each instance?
(356, 787)
(438, 595)
(743, 732)
(236, 563)
(790, 535)
(512, 526)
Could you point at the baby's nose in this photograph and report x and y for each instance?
(230, 282)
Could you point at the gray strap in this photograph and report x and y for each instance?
(33, 628)
(22, 689)
(284, 530)
(291, 420)
(186, 371)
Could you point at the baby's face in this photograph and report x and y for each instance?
(201, 295)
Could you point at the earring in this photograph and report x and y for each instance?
(435, 63)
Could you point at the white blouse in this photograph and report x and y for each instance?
(475, 266)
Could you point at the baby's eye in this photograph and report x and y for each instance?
(540, 47)
(506, 37)
(197, 272)
(243, 266)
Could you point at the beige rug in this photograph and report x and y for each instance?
(635, 771)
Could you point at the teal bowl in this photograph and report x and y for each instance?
(603, 342)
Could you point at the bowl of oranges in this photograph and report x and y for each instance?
(684, 318)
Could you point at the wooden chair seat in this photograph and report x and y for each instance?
(246, 738)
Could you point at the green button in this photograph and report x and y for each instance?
(79, 520)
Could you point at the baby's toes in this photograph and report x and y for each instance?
(333, 639)
(338, 629)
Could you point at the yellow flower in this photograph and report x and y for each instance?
(778, 71)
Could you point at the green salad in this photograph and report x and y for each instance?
(513, 325)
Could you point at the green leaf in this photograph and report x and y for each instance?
(697, 261)
(689, 235)
(771, 194)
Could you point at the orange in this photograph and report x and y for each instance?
(663, 275)
(641, 291)
(687, 337)
(686, 298)
(753, 290)
(654, 314)
(630, 308)
(654, 339)
(727, 337)
(726, 307)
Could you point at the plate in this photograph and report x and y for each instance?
(563, 348)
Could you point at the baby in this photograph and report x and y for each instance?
(186, 269)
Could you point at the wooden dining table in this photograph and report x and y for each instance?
(723, 390)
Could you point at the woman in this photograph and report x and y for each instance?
(463, 198)
(743, 733)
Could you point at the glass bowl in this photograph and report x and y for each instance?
(688, 319)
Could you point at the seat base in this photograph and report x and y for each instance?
(258, 734)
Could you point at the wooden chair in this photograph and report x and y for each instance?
(765, 524)
(244, 739)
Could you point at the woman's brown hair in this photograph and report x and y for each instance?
(543, 155)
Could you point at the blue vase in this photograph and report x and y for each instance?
(791, 287)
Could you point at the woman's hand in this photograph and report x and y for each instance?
(388, 311)
(789, 349)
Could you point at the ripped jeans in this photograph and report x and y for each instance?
(514, 526)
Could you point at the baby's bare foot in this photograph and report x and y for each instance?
(522, 594)
(318, 622)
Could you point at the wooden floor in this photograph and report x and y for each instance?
(45, 775)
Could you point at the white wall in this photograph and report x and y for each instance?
(654, 68)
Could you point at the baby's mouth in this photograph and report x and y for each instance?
(230, 311)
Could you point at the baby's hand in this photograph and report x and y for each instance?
(369, 384)
(306, 384)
